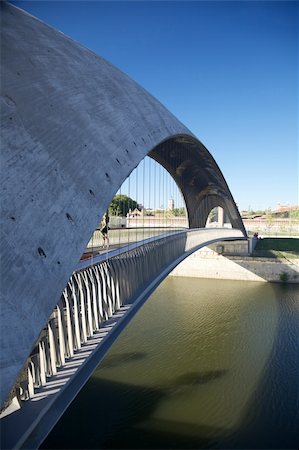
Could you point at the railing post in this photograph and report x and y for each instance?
(93, 294)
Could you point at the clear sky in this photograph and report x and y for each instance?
(227, 70)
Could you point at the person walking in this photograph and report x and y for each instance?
(104, 229)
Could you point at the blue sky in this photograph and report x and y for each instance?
(227, 70)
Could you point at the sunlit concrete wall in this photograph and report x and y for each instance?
(72, 129)
(208, 263)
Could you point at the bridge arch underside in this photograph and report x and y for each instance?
(199, 179)
(73, 128)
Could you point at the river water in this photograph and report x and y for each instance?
(204, 364)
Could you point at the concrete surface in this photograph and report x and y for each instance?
(72, 129)
(207, 263)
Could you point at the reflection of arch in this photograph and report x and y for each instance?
(73, 128)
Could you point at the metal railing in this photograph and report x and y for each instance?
(91, 297)
(96, 291)
(100, 299)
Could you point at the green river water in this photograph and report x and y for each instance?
(204, 364)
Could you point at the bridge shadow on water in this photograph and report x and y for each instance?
(115, 415)
(120, 358)
(119, 416)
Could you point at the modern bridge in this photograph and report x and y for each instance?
(73, 129)
(100, 299)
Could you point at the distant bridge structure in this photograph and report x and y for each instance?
(73, 128)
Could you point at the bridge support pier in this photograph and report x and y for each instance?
(220, 217)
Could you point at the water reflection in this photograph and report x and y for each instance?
(205, 363)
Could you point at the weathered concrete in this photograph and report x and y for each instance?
(72, 129)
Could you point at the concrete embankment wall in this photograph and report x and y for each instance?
(273, 226)
(207, 263)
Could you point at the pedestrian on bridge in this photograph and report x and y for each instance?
(104, 230)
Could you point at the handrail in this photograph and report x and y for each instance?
(115, 285)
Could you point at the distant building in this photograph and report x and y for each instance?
(171, 204)
(135, 213)
(284, 208)
(284, 211)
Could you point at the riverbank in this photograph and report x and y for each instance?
(232, 261)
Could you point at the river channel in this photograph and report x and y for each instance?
(204, 364)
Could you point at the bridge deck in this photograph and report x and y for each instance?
(16, 428)
(28, 426)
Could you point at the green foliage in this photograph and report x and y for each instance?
(212, 215)
(121, 204)
(253, 214)
(249, 214)
(294, 214)
(178, 212)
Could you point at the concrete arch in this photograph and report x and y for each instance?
(199, 178)
(73, 128)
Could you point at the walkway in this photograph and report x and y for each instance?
(29, 426)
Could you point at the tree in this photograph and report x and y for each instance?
(178, 212)
(213, 215)
(294, 214)
(121, 204)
